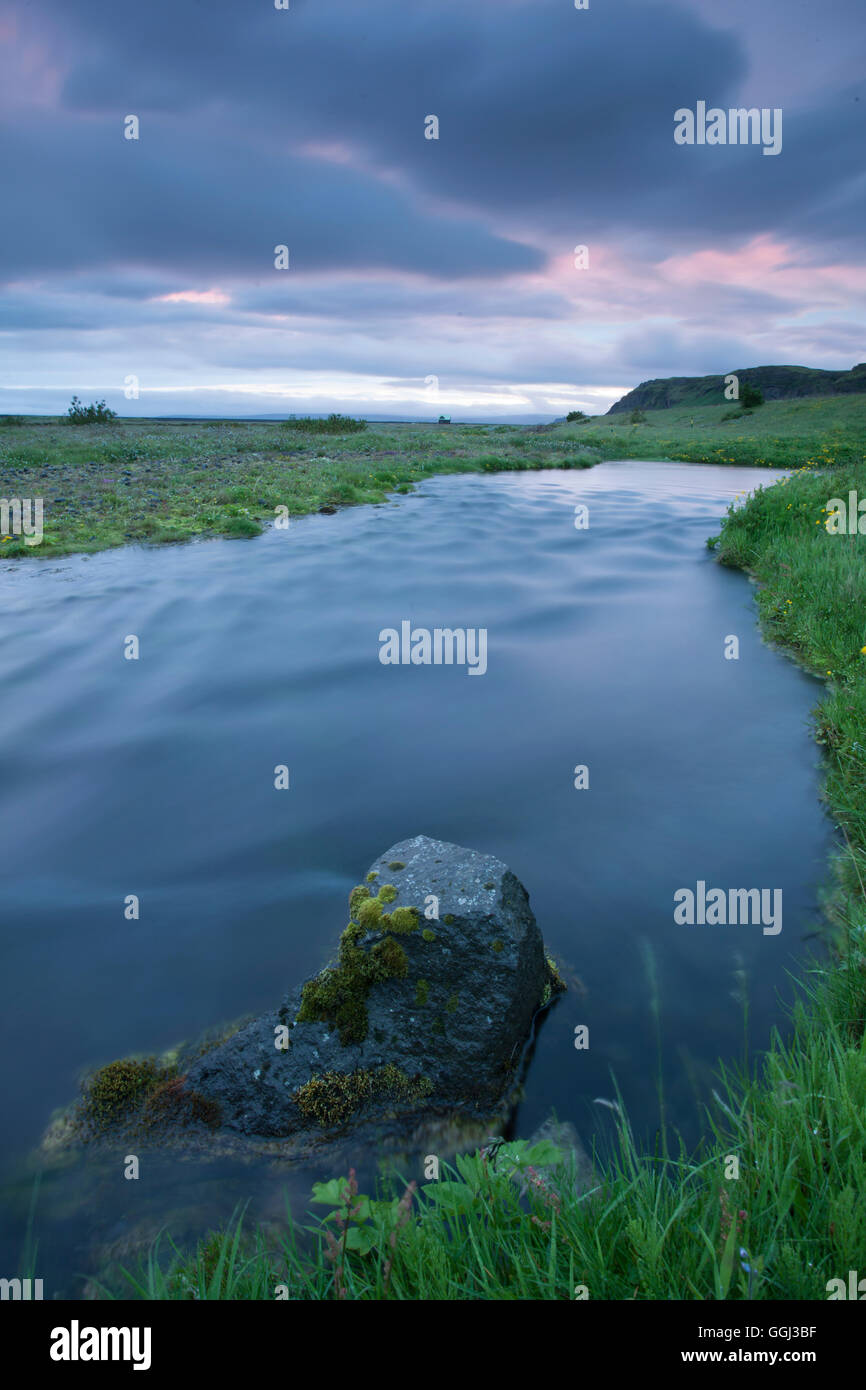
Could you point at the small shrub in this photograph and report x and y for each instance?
(750, 396)
(334, 424)
(638, 417)
(574, 417)
(97, 413)
(241, 527)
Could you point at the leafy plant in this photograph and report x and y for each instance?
(365, 1225)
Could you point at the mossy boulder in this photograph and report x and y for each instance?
(449, 1011)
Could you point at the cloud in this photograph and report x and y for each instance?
(410, 256)
(86, 198)
(559, 120)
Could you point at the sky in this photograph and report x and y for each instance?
(425, 275)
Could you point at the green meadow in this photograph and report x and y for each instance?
(150, 482)
(779, 434)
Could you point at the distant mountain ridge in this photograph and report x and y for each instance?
(777, 384)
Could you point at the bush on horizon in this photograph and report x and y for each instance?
(334, 424)
(96, 413)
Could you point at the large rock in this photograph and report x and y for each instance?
(415, 1011)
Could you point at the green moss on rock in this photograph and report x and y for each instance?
(390, 960)
(372, 875)
(422, 992)
(498, 945)
(387, 893)
(555, 984)
(119, 1088)
(428, 935)
(396, 864)
(338, 995)
(356, 897)
(453, 1004)
(353, 934)
(448, 918)
(332, 1097)
(369, 913)
(403, 920)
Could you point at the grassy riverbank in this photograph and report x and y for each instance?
(152, 482)
(789, 1215)
(779, 434)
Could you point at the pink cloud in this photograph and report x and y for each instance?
(194, 297)
(765, 265)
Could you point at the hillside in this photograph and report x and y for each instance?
(781, 434)
(777, 384)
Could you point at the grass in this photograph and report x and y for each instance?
(652, 1228)
(150, 481)
(779, 434)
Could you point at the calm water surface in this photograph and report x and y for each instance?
(155, 777)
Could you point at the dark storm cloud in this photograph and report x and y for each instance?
(410, 256)
(204, 204)
(560, 119)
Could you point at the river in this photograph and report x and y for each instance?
(155, 777)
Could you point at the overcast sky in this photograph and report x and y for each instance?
(424, 275)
